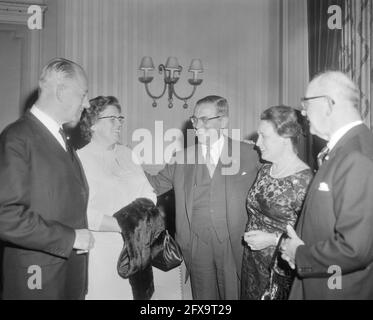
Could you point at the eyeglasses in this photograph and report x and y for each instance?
(112, 118)
(304, 102)
(194, 120)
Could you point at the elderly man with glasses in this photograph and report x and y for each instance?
(210, 201)
(332, 248)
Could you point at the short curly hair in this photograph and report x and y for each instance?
(285, 122)
(90, 116)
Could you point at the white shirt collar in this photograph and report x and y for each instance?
(336, 136)
(215, 151)
(52, 125)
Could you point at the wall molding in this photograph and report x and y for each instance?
(16, 13)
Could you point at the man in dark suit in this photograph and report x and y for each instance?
(333, 254)
(211, 181)
(43, 196)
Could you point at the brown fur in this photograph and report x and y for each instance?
(141, 223)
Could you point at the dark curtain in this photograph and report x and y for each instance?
(324, 43)
(324, 48)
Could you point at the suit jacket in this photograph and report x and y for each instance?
(337, 224)
(180, 175)
(43, 198)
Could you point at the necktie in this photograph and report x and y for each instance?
(73, 158)
(67, 144)
(209, 163)
(322, 155)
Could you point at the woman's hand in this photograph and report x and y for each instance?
(259, 240)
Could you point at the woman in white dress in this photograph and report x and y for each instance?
(114, 181)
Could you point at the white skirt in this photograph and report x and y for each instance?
(104, 283)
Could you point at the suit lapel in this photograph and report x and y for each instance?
(223, 159)
(342, 142)
(82, 176)
(193, 157)
(227, 162)
(225, 152)
(51, 142)
(323, 169)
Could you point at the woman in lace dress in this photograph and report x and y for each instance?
(275, 199)
(114, 180)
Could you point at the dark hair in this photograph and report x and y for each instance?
(90, 116)
(220, 103)
(285, 122)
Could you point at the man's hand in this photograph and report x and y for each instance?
(84, 241)
(289, 246)
(259, 240)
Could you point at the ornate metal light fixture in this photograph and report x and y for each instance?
(171, 72)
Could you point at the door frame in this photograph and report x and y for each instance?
(13, 18)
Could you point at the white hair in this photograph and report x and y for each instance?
(339, 85)
(59, 70)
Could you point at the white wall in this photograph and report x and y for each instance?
(237, 40)
(254, 52)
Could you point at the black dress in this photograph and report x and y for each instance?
(272, 204)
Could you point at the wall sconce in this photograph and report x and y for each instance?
(171, 72)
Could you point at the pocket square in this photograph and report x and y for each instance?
(323, 187)
(244, 173)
